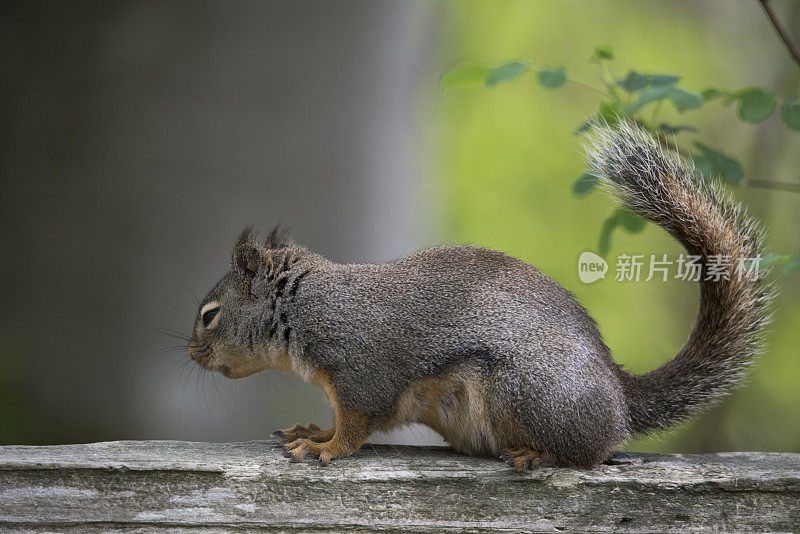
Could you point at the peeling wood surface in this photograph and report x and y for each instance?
(181, 487)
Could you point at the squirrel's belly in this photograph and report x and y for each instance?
(454, 406)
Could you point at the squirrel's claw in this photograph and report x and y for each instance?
(324, 458)
(297, 450)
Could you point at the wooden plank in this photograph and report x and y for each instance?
(138, 486)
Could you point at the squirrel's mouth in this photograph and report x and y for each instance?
(203, 354)
(200, 353)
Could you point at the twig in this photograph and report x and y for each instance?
(769, 184)
(587, 86)
(781, 32)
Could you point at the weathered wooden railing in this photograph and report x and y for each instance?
(141, 486)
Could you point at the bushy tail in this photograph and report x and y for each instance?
(708, 223)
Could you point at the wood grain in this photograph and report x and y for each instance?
(168, 486)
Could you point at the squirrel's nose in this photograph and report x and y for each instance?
(197, 351)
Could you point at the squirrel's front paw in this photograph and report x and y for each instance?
(312, 432)
(297, 450)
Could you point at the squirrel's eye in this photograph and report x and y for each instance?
(209, 315)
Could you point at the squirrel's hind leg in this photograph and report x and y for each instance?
(524, 458)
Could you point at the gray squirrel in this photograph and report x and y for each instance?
(483, 348)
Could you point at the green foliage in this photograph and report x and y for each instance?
(474, 74)
(792, 264)
(601, 53)
(505, 73)
(755, 105)
(669, 129)
(790, 113)
(465, 74)
(652, 94)
(631, 96)
(584, 184)
(553, 78)
(684, 100)
(619, 219)
(635, 82)
(715, 163)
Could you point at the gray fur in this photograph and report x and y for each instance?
(460, 314)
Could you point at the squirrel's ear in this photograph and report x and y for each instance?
(278, 238)
(247, 254)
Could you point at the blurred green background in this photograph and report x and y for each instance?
(507, 158)
(138, 138)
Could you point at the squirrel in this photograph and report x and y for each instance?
(483, 348)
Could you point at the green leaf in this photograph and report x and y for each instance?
(672, 130)
(648, 96)
(793, 265)
(584, 184)
(755, 105)
(765, 261)
(684, 100)
(769, 259)
(506, 72)
(634, 82)
(711, 93)
(627, 220)
(465, 74)
(711, 163)
(553, 78)
(610, 110)
(585, 127)
(601, 53)
(790, 113)
(604, 245)
(630, 222)
(663, 79)
(704, 165)
(731, 170)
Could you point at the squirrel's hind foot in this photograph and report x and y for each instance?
(524, 458)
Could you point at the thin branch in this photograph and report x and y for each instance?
(781, 32)
(587, 86)
(769, 184)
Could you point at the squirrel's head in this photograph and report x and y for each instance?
(218, 341)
